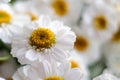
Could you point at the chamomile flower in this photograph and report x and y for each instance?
(44, 39)
(10, 22)
(76, 61)
(106, 76)
(64, 10)
(46, 71)
(86, 46)
(100, 20)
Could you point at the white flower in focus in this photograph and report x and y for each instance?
(10, 22)
(100, 20)
(86, 46)
(46, 71)
(43, 40)
(68, 11)
(106, 76)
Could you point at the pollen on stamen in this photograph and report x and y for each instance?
(42, 38)
(5, 17)
(60, 7)
(54, 78)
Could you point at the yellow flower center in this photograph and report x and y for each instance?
(42, 38)
(4, 17)
(116, 36)
(74, 64)
(33, 16)
(81, 44)
(60, 7)
(54, 78)
(100, 22)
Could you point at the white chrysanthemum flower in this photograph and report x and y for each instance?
(64, 10)
(77, 61)
(100, 20)
(47, 71)
(86, 46)
(25, 7)
(106, 76)
(45, 39)
(10, 22)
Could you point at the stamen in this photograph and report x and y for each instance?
(54, 78)
(42, 38)
(4, 17)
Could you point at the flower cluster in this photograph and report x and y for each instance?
(59, 40)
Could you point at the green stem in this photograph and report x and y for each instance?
(5, 58)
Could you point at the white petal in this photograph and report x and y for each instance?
(73, 74)
(64, 67)
(44, 21)
(31, 55)
(44, 69)
(59, 54)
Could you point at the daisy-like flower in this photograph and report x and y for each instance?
(86, 46)
(63, 10)
(106, 76)
(45, 39)
(100, 20)
(10, 22)
(46, 71)
(76, 61)
(111, 51)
